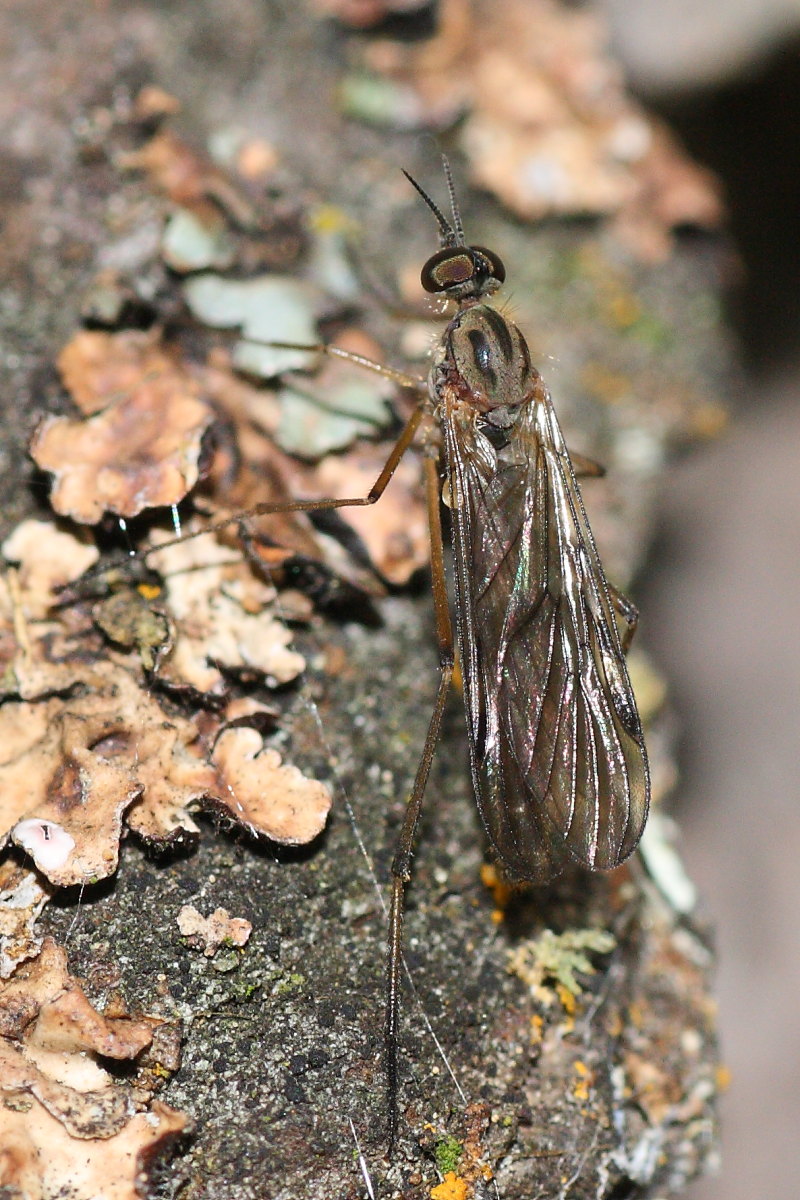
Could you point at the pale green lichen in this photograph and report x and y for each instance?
(267, 308)
(190, 243)
(553, 961)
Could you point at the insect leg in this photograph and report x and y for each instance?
(360, 360)
(259, 510)
(628, 611)
(584, 467)
(401, 865)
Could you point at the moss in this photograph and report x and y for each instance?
(289, 983)
(447, 1152)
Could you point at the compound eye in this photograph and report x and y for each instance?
(497, 270)
(447, 269)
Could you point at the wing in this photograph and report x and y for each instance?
(557, 754)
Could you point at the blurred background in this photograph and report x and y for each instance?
(721, 593)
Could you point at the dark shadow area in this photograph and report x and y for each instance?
(747, 133)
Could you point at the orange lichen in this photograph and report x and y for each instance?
(567, 998)
(452, 1187)
(501, 890)
(723, 1077)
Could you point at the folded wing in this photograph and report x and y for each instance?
(558, 759)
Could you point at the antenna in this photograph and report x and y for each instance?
(447, 235)
(457, 226)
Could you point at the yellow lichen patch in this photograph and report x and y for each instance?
(625, 310)
(584, 1080)
(614, 1024)
(708, 419)
(149, 591)
(452, 1187)
(635, 1015)
(567, 999)
(723, 1077)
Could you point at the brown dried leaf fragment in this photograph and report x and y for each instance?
(62, 790)
(209, 933)
(550, 128)
(141, 448)
(363, 14)
(63, 1116)
(220, 618)
(189, 177)
(394, 532)
(48, 560)
(272, 798)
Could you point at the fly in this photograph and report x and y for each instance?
(557, 755)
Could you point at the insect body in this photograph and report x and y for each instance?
(558, 761)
